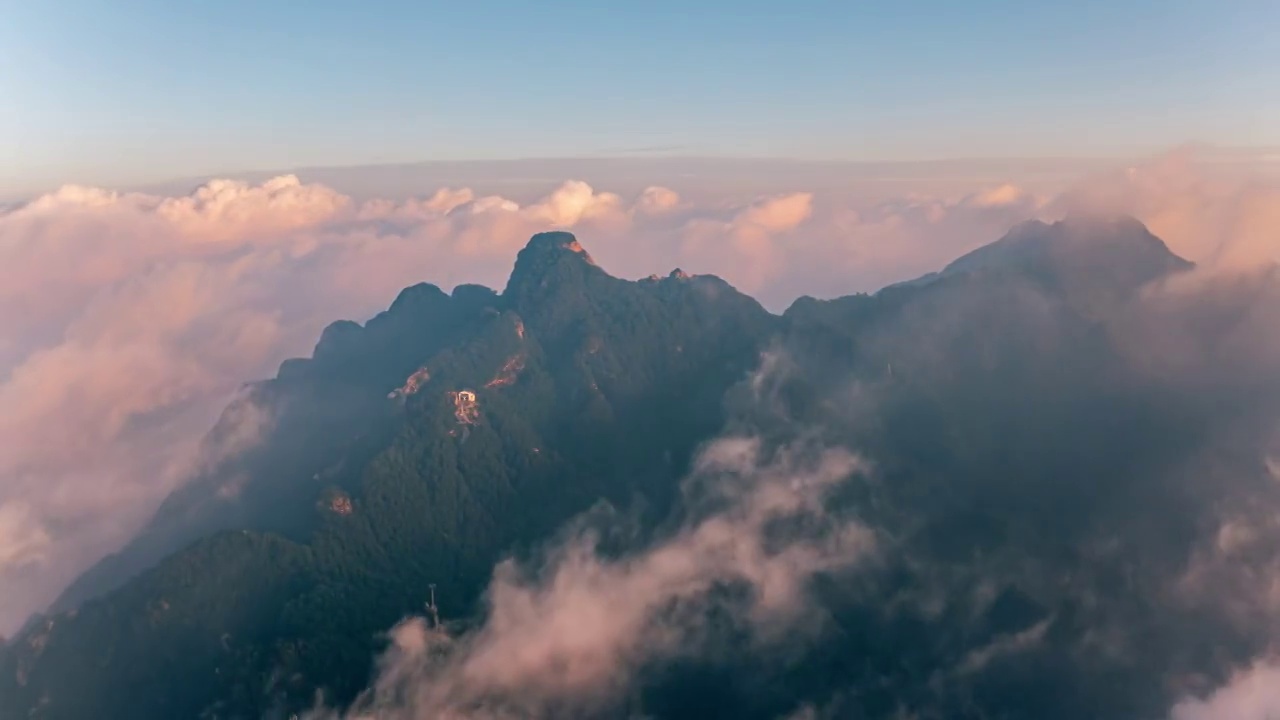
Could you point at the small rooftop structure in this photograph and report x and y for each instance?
(465, 408)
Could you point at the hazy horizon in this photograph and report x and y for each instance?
(401, 179)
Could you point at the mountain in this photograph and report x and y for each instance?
(1077, 254)
(586, 388)
(1038, 492)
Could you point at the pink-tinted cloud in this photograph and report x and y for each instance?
(657, 200)
(1214, 218)
(1251, 694)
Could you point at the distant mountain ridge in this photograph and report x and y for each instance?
(456, 428)
(1118, 250)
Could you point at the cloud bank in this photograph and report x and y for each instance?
(130, 319)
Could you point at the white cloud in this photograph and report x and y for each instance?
(1003, 646)
(22, 540)
(657, 200)
(1223, 220)
(1000, 196)
(227, 209)
(776, 214)
(573, 202)
(753, 240)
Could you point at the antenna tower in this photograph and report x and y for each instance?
(431, 607)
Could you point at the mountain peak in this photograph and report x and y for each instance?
(417, 297)
(555, 242)
(1078, 242)
(549, 258)
(1096, 225)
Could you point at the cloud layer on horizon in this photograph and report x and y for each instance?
(131, 319)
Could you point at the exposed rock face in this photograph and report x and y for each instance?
(412, 384)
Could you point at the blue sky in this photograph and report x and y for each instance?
(130, 91)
